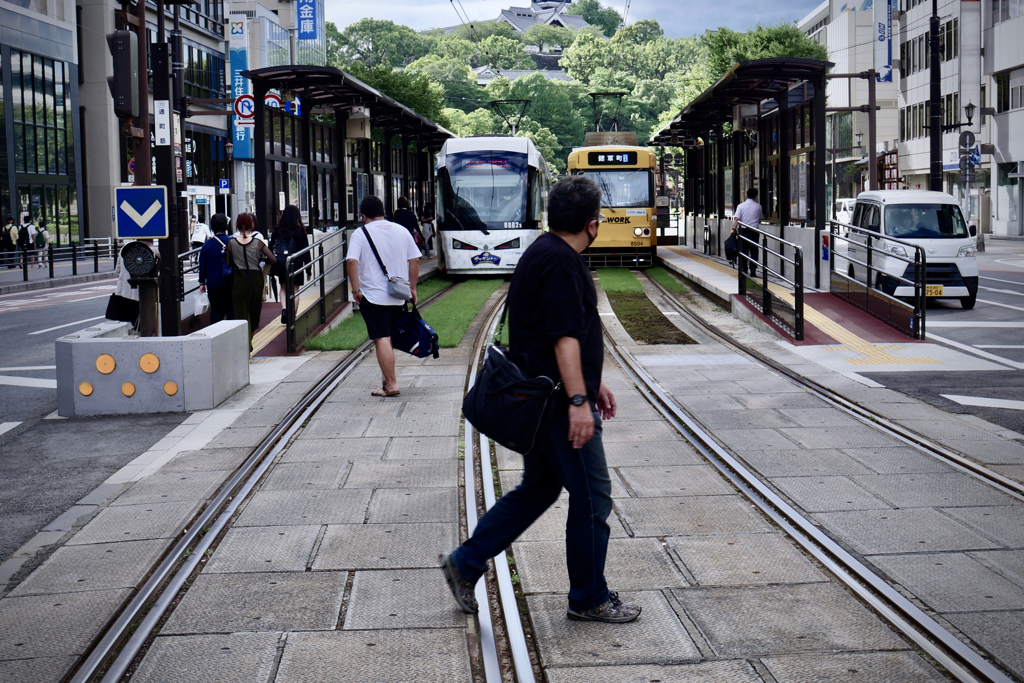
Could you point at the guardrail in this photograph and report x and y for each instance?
(326, 272)
(875, 293)
(789, 317)
(188, 263)
(52, 256)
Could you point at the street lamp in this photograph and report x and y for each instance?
(969, 111)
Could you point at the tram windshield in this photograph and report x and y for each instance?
(620, 189)
(486, 190)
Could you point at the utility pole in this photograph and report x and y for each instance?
(935, 103)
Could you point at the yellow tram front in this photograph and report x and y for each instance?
(625, 174)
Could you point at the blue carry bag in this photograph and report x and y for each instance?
(412, 334)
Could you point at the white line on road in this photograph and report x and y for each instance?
(996, 303)
(976, 352)
(1009, 282)
(77, 322)
(28, 382)
(8, 426)
(1002, 291)
(29, 367)
(998, 346)
(985, 402)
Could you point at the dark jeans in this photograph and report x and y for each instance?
(221, 306)
(749, 265)
(553, 465)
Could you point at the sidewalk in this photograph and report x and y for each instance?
(12, 280)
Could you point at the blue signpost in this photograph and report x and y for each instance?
(140, 213)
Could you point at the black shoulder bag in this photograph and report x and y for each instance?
(506, 404)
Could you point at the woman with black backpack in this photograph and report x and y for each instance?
(289, 237)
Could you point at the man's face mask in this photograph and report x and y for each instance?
(591, 238)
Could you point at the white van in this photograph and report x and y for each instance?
(844, 209)
(931, 220)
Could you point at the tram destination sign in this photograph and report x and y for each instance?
(612, 158)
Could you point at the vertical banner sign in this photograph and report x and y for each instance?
(306, 10)
(883, 40)
(241, 135)
(162, 118)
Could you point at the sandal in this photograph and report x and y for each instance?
(383, 391)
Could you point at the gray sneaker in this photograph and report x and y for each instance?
(614, 611)
(461, 589)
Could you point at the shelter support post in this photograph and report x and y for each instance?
(262, 173)
(820, 208)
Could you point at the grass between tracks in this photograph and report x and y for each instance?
(351, 332)
(667, 280)
(638, 315)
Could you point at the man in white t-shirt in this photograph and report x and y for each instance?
(749, 213)
(369, 284)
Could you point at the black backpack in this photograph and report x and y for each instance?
(23, 240)
(283, 246)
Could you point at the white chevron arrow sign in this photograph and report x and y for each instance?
(140, 219)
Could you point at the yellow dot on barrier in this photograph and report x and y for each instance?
(128, 389)
(85, 389)
(170, 388)
(105, 363)
(149, 363)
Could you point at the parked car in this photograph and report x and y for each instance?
(930, 220)
(844, 209)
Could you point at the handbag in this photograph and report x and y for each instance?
(398, 286)
(505, 403)
(412, 334)
(732, 248)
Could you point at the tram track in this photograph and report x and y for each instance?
(117, 646)
(962, 662)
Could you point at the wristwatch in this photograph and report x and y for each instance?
(578, 400)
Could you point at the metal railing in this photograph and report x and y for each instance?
(875, 294)
(789, 317)
(188, 263)
(325, 270)
(100, 254)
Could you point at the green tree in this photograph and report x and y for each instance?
(376, 42)
(593, 12)
(546, 35)
(477, 31)
(545, 141)
(725, 47)
(552, 104)
(499, 89)
(334, 44)
(457, 78)
(640, 33)
(417, 92)
(584, 56)
(453, 47)
(503, 53)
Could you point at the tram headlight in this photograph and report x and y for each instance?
(456, 244)
(638, 231)
(511, 244)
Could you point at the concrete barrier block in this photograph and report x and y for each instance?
(103, 371)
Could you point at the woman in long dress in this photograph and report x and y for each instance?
(243, 254)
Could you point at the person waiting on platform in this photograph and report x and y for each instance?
(243, 254)
(289, 237)
(407, 219)
(214, 271)
(749, 213)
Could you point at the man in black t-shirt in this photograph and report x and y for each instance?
(554, 330)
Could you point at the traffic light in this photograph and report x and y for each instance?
(124, 84)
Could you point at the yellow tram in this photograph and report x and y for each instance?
(626, 176)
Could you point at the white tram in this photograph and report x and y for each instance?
(491, 203)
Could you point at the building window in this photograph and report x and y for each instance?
(41, 94)
(1002, 92)
(1004, 10)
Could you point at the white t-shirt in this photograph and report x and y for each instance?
(396, 248)
(200, 233)
(749, 212)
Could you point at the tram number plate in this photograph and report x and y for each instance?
(933, 290)
(637, 243)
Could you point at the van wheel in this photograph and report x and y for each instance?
(967, 302)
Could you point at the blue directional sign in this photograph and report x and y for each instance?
(140, 212)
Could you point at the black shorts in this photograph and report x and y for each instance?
(378, 319)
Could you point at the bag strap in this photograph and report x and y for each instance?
(374, 247)
(501, 323)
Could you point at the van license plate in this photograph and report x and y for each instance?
(933, 290)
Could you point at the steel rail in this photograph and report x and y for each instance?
(507, 592)
(488, 640)
(868, 416)
(157, 594)
(963, 662)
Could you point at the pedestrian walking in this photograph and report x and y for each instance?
(243, 254)
(288, 238)
(427, 223)
(379, 308)
(554, 330)
(749, 213)
(407, 219)
(9, 243)
(41, 242)
(214, 271)
(26, 236)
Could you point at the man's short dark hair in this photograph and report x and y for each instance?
(752, 193)
(572, 203)
(403, 202)
(220, 223)
(371, 206)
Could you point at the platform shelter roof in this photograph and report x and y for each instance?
(326, 86)
(749, 82)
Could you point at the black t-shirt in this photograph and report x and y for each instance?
(407, 218)
(552, 296)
